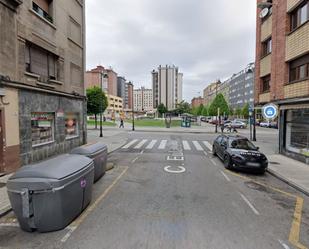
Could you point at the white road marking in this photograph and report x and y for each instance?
(208, 145)
(213, 162)
(142, 152)
(180, 169)
(151, 145)
(249, 204)
(162, 145)
(197, 145)
(129, 144)
(141, 143)
(285, 246)
(186, 145)
(205, 153)
(135, 159)
(9, 225)
(225, 176)
(68, 234)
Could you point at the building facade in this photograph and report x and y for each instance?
(197, 101)
(42, 61)
(114, 109)
(143, 100)
(241, 88)
(282, 70)
(121, 87)
(128, 101)
(167, 85)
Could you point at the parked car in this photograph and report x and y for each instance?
(235, 124)
(268, 124)
(264, 124)
(239, 152)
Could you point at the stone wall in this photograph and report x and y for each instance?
(40, 102)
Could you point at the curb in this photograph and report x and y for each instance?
(4, 211)
(287, 181)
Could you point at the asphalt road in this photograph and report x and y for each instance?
(143, 203)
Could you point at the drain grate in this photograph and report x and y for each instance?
(175, 158)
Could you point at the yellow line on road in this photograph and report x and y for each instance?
(74, 225)
(296, 223)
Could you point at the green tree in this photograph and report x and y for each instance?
(183, 107)
(245, 111)
(94, 96)
(218, 102)
(200, 110)
(205, 111)
(238, 112)
(231, 111)
(162, 109)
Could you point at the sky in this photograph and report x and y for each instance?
(207, 40)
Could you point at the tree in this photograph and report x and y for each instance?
(183, 107)
(218, 102)
(205, 111)
(245, 111)
(162, 109)
(94, 98)
(238, 112)
(200, 110)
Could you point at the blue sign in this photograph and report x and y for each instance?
(270, 111)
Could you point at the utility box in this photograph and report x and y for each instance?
(49, 195)
(98, 153)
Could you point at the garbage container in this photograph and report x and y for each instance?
(97, 152)
(49, 195)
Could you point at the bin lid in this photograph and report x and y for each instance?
(55, 168)
(89, 149)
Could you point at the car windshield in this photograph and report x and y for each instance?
(242, 144)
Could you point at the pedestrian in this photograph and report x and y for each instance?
(229, 128)
(121, 123)
(222, 127)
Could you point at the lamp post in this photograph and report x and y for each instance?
(104, 76)
(133, 125)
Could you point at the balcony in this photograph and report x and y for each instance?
(297, 42)
(266, 29)
(265, 66)
(42, 13)
(299, 89)
(264, 97)
(291, 4)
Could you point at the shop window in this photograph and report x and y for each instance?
(71, 125)
(297, 131)
(300, 15)
(42, 126)
(266, 83)
(41, 62)
(43, 8)
(299, 69)
(266, 47)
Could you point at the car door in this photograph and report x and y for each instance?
(217, 143)
(222, 147)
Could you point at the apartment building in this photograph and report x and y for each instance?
(282, 70)
(143, 100)
(167, 85)
(128, 100)
(241, 88)
(115, 107)
(102, 76)
(121, 87)
(197, 101)
(42, 61)
(211, 91)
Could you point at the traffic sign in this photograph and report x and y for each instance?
(270, 111)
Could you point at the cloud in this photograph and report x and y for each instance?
(206, 39)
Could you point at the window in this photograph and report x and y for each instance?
(300, 15)
(42, 126)
(71, 125)
(43, 9)
(40, 61)
(299, 69)
(266, 47)
(266, 83)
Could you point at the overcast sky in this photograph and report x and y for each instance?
(207, 40)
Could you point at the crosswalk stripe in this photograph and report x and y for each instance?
(197, 145)
(141, 143)
(208, 145)
(151, 144)
(162, 145)
(129, 144)
(186, 145)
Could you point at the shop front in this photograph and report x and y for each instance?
(294, 131)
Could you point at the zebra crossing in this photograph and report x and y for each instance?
(154, 144)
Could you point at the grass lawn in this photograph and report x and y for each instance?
(153, 123)
(107, 123)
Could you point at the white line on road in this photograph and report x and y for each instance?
(129, 144)
(9, 225)
(225, 176)
(135, 159)
(285, 246)
(249, 204)
(68, 234)
(197, 145)
(152, 143)
(141, 143)
(162, 145)
(186, 145)
(205, 153)
(142, 152)
(213, 162)
(208, 145)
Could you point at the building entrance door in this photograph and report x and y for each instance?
(1, 142)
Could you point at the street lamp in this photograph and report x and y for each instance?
(133, 125)
(105, 76)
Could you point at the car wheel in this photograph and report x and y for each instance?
(214, 151)
(241, 127)
(227, 162)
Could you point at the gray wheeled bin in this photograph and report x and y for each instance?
(49, 195)
(97, 152)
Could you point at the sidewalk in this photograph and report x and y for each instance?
(114, 139)
(290, 171)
